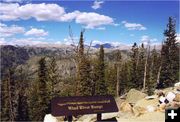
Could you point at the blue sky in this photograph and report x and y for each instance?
(119, 22)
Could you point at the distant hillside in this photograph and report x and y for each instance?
(12, 56)
(106, 45)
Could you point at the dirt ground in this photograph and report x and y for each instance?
(147, 117)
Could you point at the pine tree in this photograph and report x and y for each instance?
(84, 81)
(170, 57)
(5, 110)
(22, 112)
(93, 74)
(33, 102)
(100, 87)
(85, 78)
(22, 103)
(118, 68)
(170, 34)
(164, 67)
(153, 67)
(42, 92)
(124, 78)
(133, 66)
(9, 101)
(53, 78)
(141, 66)
(110, 79)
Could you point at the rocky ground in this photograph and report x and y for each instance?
(136, 106)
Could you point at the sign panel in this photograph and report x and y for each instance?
(79, 105)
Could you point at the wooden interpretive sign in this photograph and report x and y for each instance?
(79, 105)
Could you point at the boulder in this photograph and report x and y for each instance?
(88, 118)
(173, 105)
(106, 116)
(162, 99)
(138, 110)
(145, 105)
(151, 97)
(134, 95)
(159, 93)
(126, 107)
(119, 101)
(177, 84)
(50, 118)
(177, 90)
(177, 98)
(123, 96)
(167, 90)
(151, 108)
(170, 96)
(161, 107)
(144, 102)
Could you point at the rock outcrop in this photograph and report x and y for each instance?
(136, 106)
(134, 95)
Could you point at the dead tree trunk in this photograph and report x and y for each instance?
(117, 83)
(11, 95)
(158, 75)
(145, 68)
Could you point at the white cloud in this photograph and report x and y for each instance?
(94, 42)
(147, 40)
(2, 25)
(101, 28)
(41, 12)
(52, 12)
(29, 41)
(26, 41)
(69, 40)
(115, 24)
(115, 44)
(70, 16)
(9, 1)
(133, 26)
(6, 31)
(92, 20)
(58, 42)
(7, 11)
(97, 4)
(178, 37)
(2, 41)
(36, 32)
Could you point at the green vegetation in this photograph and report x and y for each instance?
(84, 83)
(169, 57)
(99, 73)
(31, 77)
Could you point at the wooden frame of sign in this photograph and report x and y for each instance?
(80, 105)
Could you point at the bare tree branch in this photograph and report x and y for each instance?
(145, 66)
(71, 35)
(72, 39)
(89, 47)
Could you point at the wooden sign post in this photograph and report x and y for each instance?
(80, 105)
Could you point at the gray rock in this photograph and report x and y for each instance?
(134, 95)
